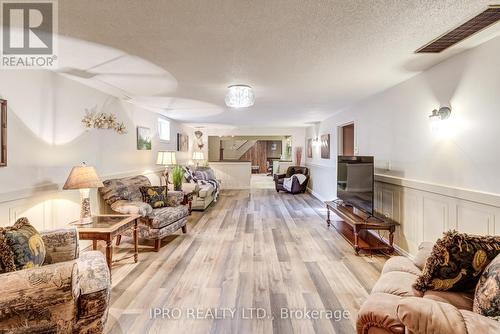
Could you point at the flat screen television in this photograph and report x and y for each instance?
(355, 182)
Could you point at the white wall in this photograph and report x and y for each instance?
(394, 127)
(46, 138)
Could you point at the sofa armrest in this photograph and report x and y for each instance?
(421, 315)
(380, 311)
(174, 198)
(190, 187)
(95, 285)
(42, 299)
(476, 323)
(132, 208)
(60, 245)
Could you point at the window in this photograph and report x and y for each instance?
(163, 129)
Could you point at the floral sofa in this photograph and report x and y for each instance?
(124, 196)
(68, 294)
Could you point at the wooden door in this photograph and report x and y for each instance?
(348, 139)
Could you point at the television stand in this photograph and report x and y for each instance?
(354, 225)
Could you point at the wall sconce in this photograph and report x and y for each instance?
(441, 114)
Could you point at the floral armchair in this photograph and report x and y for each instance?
(123, 196)
(68, 294)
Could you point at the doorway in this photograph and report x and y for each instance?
(346, 139)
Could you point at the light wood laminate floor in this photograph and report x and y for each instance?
(252, 251)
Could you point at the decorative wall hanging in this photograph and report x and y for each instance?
(325, 146)
(3, 133)
(143, 138)
(182, 142)
(199, 139)
(298, 155)
(103, 121)
(309, 148)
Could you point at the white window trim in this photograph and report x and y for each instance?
(164, 121)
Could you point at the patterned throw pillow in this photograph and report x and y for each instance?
(21, 247)
(487, 296)
(457, 261)
(155, 196)
(189, 175)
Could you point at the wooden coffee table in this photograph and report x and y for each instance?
(106, 227)
(354, 225)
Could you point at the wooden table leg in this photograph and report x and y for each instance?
(391, 238)
(190, 204)
(356, 240)
(136, 248)
(109, 253)
(327, 216)
(94, 244)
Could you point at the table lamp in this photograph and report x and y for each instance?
(166, 158)
(83, 178)
(198, 156)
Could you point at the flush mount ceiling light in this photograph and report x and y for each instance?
(441, 114)
(240, 96)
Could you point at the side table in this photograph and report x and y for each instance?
(106, 227)
(188, 199)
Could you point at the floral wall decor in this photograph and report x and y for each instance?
(103, 121)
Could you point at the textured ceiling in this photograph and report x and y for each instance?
(305, 59)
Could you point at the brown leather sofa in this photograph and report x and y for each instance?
(395, 307)
(296, 186)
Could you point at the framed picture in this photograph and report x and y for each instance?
(3, 133)
(309, 148)
(325, 146)
(143, 138)
(182, 142)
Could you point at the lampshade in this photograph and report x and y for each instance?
(82, 177)
(166, 158)
(198, 156)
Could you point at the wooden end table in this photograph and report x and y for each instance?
(106, 227)
(188, 199)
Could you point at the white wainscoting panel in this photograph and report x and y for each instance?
(425, 213)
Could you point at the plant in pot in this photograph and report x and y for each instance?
(177, 175)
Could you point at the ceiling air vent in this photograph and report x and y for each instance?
(469, 28)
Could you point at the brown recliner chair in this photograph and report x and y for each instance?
(296, 186)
